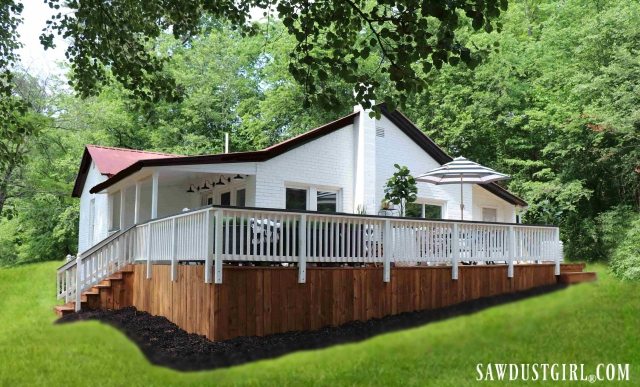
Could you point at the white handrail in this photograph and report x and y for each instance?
(217, 234)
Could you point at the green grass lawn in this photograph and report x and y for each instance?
(589, 323)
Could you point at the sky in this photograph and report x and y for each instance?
(33, 56)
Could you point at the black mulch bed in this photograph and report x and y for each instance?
(165, 344)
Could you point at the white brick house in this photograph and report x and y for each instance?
(339, 167)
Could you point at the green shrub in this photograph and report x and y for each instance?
(625, 261)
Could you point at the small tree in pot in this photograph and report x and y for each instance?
(401, 188)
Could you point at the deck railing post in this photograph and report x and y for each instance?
(78, 305)
(455, 252)
(558, 250)
(387, 251)
(174, 250)
(218, 246)
(148, 251)
(208, 258)
(302, 246)
(512, 251)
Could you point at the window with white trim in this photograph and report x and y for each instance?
(489, 214)
(424, 210)
(241, 197)
(327, 201)
(296, 199)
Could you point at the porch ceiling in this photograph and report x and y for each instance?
(173, 177)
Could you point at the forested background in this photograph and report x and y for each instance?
(555, 104)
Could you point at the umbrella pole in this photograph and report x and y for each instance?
(461, 200)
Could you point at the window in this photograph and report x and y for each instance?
(296, 199)
(225, 199)
(423, 210)
(413, 210)
(92, 221)
(432, 211)
(241, 197)
(489, 214)
(210, 200)
(327, 201)
(115, 212)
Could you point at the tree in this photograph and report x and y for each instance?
(553, 108)
(23, 120)
(401, 188)
(332, 37)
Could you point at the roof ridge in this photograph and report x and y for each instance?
(133, 150)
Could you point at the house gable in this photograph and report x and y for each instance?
(109, 161)
(412, 131)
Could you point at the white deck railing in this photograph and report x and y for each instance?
(217, 234)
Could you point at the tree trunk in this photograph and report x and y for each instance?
(4, 185)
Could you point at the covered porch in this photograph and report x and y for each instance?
(160, 192)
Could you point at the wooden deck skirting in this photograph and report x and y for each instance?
(265, 300)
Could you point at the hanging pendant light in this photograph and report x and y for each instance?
(220, 182)
(205, 186)
(190, 190)
(238, 177)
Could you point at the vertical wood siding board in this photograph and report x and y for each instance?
(268, 311)
(252, 290)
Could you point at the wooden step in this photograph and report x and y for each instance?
(99, 294)
(115, 277)
(577, 277)
(63, 310)
(103, 284)
(127, 269)
(573, 267)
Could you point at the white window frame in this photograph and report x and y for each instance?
(312, 194)
(433, 202)
(482, 208)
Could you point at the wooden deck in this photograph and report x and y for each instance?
(266, 300)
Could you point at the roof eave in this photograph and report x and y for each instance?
(238, 157)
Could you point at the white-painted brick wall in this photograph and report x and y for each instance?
(101, 220)
(325, 162)
(506, 212)
(328, 162)
(396, 148)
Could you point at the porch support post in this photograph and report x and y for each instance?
(122, 212)
(174, 250)
(455, 251)
(210, 227)
(136, 210)
(387, 251)
(78, 305)
(302, 246)
(512, 251)
(67, 282)
(154, 195)
(558, 254)
(218, 246)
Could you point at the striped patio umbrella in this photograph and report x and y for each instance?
(461, 171)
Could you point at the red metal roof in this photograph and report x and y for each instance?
(110, 160)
